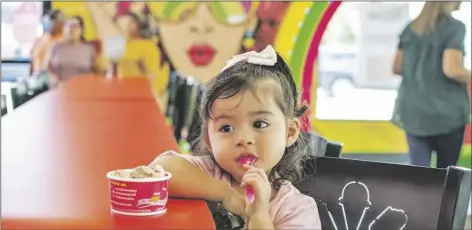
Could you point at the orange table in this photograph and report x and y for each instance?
(57, 148)
(98, 87)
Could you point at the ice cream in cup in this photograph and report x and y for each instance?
(141, 191)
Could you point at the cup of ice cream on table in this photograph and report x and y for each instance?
(141, 191)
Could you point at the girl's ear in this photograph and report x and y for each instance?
(293, 131)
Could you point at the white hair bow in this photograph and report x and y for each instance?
(265, 57)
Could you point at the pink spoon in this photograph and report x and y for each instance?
(249, 160)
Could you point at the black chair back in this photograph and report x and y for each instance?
(321, 146)
(19, 93)
(4, 104)
(183, 94)
(333, 148)
(373, 195)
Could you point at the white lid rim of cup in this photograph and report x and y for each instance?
(151, 179)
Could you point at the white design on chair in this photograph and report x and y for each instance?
(389, 208)
(365, 208)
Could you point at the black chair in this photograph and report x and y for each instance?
(321, 146)
(373, 195)
(37, 84)
(19, 93)
(3, 103)
(183, 92)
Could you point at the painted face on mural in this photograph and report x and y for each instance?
(270, 16)
(199, 38)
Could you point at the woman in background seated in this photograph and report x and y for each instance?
(433, 105)
(139, 59)
(72, 57)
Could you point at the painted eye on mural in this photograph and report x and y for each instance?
(185, 14)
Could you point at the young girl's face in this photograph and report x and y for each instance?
(250, 123)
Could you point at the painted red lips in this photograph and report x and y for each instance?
(201, 55)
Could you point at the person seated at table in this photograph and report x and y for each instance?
(55, 25)
(250, 109)
(140, 55)
(72, 57)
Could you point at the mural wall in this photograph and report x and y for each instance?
(196, 39)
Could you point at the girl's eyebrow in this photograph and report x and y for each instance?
(254, 113)
(223, 116)
(261, 112)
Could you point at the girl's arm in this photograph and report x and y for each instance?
(263, 221)
(189, 181)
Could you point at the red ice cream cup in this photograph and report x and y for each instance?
(138, 197)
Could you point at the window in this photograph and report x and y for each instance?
(21, 26)
(355, 79)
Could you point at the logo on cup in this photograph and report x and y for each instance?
(154, 201)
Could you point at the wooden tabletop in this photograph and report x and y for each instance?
(57, 148)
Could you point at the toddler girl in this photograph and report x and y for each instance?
(250, 109)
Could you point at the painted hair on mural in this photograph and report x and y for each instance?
(244, 76)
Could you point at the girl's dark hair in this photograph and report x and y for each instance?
(241, 77)
(143, 26)
(82, 27)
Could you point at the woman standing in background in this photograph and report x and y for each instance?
(140, 51)
(433, 106)
(72, 57)
(54, 24)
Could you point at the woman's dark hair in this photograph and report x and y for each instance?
(54, 14)
(82, 27)
(241, 77)
(143, 26)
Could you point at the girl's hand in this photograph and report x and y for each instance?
(234, 203)
(258, 179)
